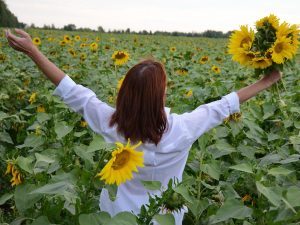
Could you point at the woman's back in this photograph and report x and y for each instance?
(163, 161)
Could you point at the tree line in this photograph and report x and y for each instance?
(8, 19)
(100, 29)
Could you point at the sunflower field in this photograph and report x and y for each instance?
(245, 171)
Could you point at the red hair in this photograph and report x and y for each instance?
(140, 113)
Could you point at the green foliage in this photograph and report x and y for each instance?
(242, 172)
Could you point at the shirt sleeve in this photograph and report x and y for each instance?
(207, 116)
(84, 101)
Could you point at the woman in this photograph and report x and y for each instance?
(141, 114)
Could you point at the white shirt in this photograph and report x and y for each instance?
(162, 162)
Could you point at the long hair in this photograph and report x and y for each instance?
(140, 113)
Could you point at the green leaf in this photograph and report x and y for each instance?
(273, 197)
(32, 141)
(151, 185)
(5, 137)
(247, 151)
(43, 158)
(279, 171)
(79, 134)
(4, 198)
(242, 167)
(19, 220)
(232, 208)
(293, 196)
(197, 207)
(183, 190)
(3, 115)
(221, 148)
(42, 117)
(112, 191)
(23, 199)
(212, 169)
(42, 220)
(123, 218)
(295, 140)
(62, 129)
(101, 218)
(165, 219)
(84, 154)
(25, 163)
(55, 188)
(98, 143)
(295, 110)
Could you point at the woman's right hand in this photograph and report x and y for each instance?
(23, 43)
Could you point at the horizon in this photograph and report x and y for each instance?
(137, 15)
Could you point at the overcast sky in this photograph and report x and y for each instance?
(167, 15)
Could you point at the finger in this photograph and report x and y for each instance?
(16, 46)
(22, 33)
(11, 36)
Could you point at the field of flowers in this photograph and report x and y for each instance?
(245, 171)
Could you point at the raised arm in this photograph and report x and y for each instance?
(253, 89)
(212, 114)
(24, 44)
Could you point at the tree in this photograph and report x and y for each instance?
(70, 27)
(100, 29)
(8, 19)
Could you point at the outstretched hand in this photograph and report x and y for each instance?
(23, 43)
(271, 78)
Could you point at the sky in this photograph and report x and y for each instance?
(162, 15)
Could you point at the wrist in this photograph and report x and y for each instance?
(33, 52)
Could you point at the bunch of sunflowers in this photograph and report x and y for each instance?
(270, 47)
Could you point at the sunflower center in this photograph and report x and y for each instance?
(250, 55)
(246, 40)
(120, 55)
(121, 160)
(278, 48)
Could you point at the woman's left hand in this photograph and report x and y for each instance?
(23, 43)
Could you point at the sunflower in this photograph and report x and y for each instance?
(40, 109)
(216, 69)
(83, 56)
(261, 62)
(284, 30)
(282, 50)
(244, 57)
(182, 71)
(97, 39)
(77, 38)
(2, 57)
(189, 93)
(32, 98)
(268, 20)
(235, 117)
(125, 160)
(94, 47)
(120, 57)
(72, 52)
(83, 123)
(120, 82)
(203, 60)
(36, 41)
(82, 45)
(16, 175)
(50, 39)
(172, 49)
(241, 40)
(62, 43)
(67, 38)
